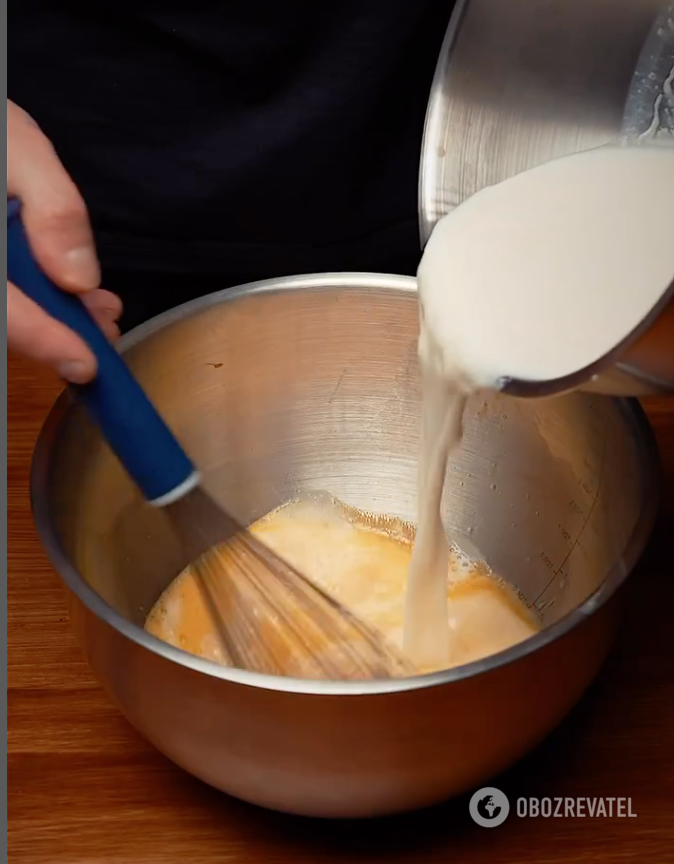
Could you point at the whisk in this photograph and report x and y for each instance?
(269, 617)
(280, 623)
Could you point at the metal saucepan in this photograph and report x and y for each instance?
(311, 384)
(520, 83)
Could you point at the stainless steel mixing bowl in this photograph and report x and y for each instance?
(311, 384)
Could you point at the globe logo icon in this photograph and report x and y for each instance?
(489, 807)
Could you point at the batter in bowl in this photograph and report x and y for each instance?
(362, 561)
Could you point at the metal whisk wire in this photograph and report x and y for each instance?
(271, 619)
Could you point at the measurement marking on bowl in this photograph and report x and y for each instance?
(576, 508)
(565, 534)
(545, 558)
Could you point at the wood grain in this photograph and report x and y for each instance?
(84, 787)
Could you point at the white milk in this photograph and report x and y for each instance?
(534, 278)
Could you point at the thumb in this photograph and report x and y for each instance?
(33, 333)
(54, 214)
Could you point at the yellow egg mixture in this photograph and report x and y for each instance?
(363, 562)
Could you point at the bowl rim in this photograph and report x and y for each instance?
(630, 409)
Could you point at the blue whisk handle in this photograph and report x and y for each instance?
(115, 401)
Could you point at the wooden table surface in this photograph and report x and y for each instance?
(84, 787)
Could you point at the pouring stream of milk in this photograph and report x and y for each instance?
(534, 278)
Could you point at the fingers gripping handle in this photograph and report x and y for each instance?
(115, 401)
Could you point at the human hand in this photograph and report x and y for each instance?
(57, 225)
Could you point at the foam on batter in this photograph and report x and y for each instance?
(363, 562)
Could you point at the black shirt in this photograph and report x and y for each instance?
(238, 139)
